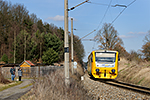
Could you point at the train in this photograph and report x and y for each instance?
(103, 64)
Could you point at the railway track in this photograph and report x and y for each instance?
(132, 87)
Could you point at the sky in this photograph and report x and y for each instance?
(132, 24)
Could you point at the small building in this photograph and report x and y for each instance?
(26, 67)
(27, 63)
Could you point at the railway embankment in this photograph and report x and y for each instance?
(133, 72)
(102, 91)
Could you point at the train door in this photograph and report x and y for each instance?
(91, 61)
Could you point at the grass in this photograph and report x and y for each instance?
(141, 80)
(28, 96)
(10, 85)
(134, 72)
(130, 78)
(128, 64)
(26, 86)
(122, 70)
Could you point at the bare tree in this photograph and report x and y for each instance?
(108, 37)
(147, 37)
(146, 47)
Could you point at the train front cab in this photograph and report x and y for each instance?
(103, 70)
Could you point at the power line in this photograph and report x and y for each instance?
(122, 12)
(131, 3)
(104, 15)
(86, 35)
(106, 4)
(99, 23)
(88, 40)
(98, 3)
(103, 18)
(113, 20)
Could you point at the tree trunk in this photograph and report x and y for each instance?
(14, 46)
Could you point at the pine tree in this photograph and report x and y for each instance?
(50, 56)
(52, 41)
(5, 58)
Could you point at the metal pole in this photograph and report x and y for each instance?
(72, 60)
(66, 43)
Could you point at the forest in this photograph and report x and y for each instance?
(26, 37)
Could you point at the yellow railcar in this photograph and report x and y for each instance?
(103, 64)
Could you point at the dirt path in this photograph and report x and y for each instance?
(15, 92)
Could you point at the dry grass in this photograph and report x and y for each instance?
(52, 87)
(3, 80)
(6, 86)
(134, 72)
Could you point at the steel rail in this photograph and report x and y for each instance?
(128, 86)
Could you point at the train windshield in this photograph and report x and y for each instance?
(105, 57)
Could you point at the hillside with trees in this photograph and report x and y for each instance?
(26, 37)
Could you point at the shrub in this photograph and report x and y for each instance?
(52, 87)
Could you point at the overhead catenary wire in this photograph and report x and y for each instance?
(99, 23)
(103, 19)
(121, 12)
(112, 21)
(98, 3)
(104, 14)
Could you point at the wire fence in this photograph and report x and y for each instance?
(29, 72)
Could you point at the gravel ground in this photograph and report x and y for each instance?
(102, 91)
(15, 92)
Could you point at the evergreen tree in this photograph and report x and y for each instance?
(28, 24)
(20, 47)
(5, 58)
(40, 26)
(37, 41)
(50, 56)
(52, 41)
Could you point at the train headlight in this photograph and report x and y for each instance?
(97, 70)
(113, 70)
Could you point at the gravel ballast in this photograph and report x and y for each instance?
(103, 91)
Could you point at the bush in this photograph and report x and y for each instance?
(52, 87)
(5, 58)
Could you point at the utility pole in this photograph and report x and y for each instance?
(66, 43)
(72, 60)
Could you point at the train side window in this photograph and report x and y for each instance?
(91, 59)
(118, 59)
(95, 58)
